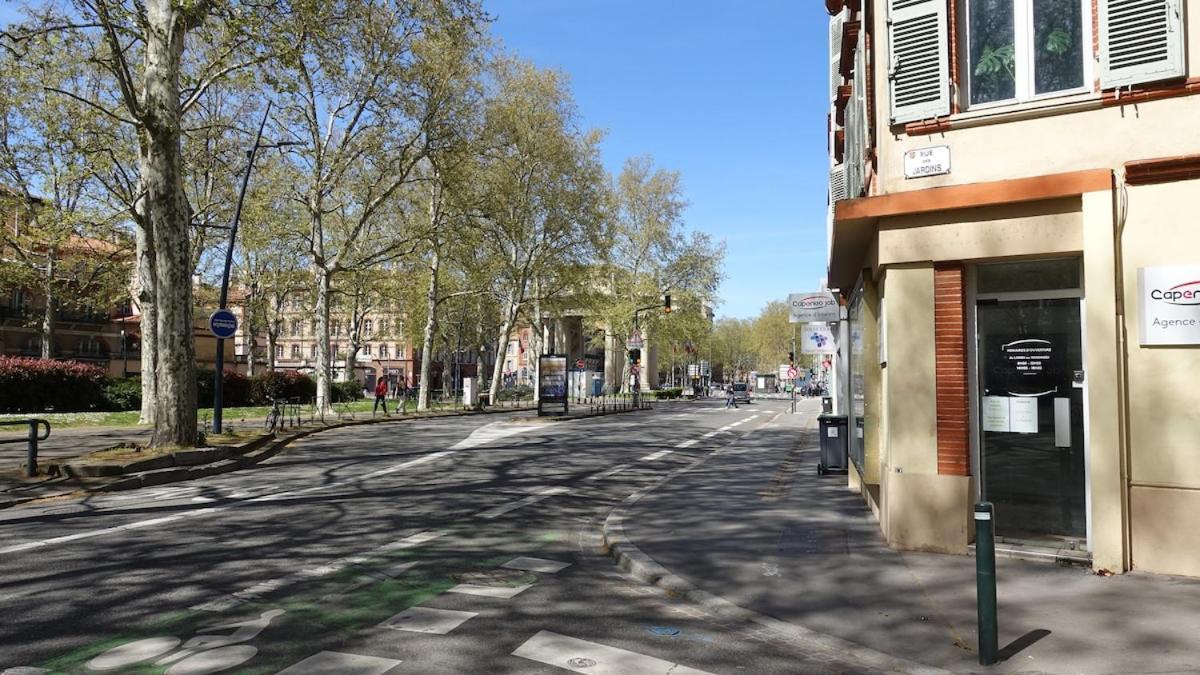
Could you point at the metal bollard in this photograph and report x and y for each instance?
(985, 580)
(31, 468)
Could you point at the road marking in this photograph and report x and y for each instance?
(710, 434)
(581, 656)
(687, 444)
(489, 591)
(536, 565)
(654, 456)
(339, 663)
(520, 503)
(428, 620)
(611, 472)
(487, 434)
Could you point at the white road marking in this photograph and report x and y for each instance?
(655, 456)
(710, 434)
(520, 503)
(489, 433)
(687, 444)
(428, 620)
(536, 565)
(581, 656)
(611, 472)
(489, 591)
(338, 663)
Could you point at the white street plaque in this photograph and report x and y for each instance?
(925, 162)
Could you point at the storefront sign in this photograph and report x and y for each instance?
(816, 338)
(1169, 307)
(1028, 358)
(819, 306)
(926, 162)
(552, 384)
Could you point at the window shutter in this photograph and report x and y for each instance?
(859, 120)
(835, 52)
(837, 184)
(1140, 41)
(918, 69)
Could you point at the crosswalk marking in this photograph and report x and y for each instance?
(687, 444)
(487, 434)
(338, 663)
(520, 503)
(611, 472)
(581, 656)
(428, 620)
(655, 456)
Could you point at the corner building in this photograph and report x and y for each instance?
(1014, 190)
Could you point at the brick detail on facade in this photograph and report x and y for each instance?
(950, 344)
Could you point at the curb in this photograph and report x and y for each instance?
(245, 457)
(636, 562)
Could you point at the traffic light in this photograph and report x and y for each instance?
(667, 303)
(635, 356)
(791, 357)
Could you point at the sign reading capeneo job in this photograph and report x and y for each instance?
(819, 306)
(1169, 305)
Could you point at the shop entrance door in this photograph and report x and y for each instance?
(1031, 417)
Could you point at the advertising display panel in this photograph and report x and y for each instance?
(552, 384)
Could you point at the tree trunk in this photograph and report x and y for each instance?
(166, 212)
(324, 284)
(538, 342)
(148, 322)
(501, 346)
(47, 327)
(430, 327)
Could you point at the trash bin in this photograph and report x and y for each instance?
(834, 446)
(826, 405)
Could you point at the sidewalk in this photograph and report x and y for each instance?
(756, 526)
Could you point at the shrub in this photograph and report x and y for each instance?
(347, 391)
(36, 385)
(235, 392)
(282, 384)
(123, 393)
(517, 393)
(668, 393)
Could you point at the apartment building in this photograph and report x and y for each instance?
(1010, 190)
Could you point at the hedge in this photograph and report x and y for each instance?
(37, 385)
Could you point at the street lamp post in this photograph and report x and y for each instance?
(218, 376)
(124, 355)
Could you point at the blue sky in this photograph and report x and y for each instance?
(731, 94)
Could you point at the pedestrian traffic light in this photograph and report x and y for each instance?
(667, 303)
(635, 356)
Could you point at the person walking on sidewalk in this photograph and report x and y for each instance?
(730, 399)
(381, 390)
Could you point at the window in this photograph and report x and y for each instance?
(278, 351)
(295, 328)
(296, 352)
(336, 328)
(399, 351)
(312, 351)
(333, 350)
(367, 350)
(383, 351)
(367, 327)
(399, 326)
(1023, 49)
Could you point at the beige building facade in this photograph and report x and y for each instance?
(1011, 185)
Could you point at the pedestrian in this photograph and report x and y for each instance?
(381, 390)
(730, 399)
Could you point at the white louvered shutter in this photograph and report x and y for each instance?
(1140, 41)
(835, 52)
(919, 66)
(860, 121)
(837, 184)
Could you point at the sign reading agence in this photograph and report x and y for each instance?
(809, 307)
(1169, 305)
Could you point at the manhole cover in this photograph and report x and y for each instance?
(581, 662)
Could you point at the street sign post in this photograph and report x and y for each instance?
(792, 373)
(635, 340)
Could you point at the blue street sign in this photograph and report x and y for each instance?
(223, 324)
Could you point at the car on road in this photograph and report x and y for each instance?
(741, 392)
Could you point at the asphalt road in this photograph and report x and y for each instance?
(460, 545)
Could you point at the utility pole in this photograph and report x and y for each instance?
(792, 364)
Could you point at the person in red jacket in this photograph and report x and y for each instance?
(381, 390)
